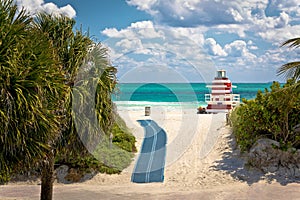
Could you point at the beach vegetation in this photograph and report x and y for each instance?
(45, 66)
(109, 156)
(32, 87)
(272, 114)
(122, 137)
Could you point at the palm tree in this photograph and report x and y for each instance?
(39, 64)
(31, 88)
(71, 49)
(292, 69)
(96, 80)
(74, 50)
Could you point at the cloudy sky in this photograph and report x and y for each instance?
(187, 40)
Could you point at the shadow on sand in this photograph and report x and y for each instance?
(235, 163)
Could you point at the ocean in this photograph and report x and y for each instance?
(175, 94)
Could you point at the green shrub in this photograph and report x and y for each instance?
(125, 141)
(107, 158)
(4, 176)
(122, 137)
(113, 156)
(272, 114)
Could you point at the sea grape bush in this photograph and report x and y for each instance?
(272, 114)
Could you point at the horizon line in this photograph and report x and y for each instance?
(191, 82)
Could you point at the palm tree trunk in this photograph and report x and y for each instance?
(47, 177)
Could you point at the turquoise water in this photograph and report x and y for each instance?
(133, 94)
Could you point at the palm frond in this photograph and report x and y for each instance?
(31, 88)
(292, 43)
(290, 70)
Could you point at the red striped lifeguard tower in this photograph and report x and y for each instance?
(221, 98)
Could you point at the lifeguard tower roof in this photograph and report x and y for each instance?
(221, 74)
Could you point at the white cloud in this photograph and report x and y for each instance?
(181, 49)
(186, 34)
(186, 49)
(214, 48)
(68, 10)
(240, 35)
(265, 24)
(233, 29)
(111, 32)
(237, 16)
(144, 5)
(127, 45)
(251, 45)
(278, 36)
(198, 12)
(144, 29)
(237, 48)
(288, 6)
(34, 6)
(282, 21)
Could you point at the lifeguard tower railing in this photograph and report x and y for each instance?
(226, 99)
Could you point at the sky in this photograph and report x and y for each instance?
(186, 40)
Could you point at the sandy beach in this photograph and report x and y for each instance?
(202, 162)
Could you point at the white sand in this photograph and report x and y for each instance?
(200, 164)
(194, 143)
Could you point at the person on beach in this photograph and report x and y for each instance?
(201, 110)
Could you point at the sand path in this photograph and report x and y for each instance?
(201, 163)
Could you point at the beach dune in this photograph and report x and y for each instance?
(191, 138)
(196, 145)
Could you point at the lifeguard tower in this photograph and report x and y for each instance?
(221, 98)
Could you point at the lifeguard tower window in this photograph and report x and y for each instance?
(221, 74)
